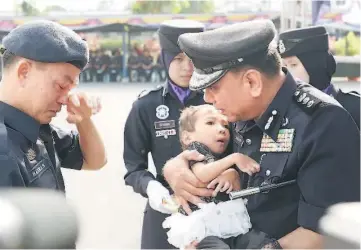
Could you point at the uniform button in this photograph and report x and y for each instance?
(248, 141)
(274, 112)
(166, 137)
(268, 172)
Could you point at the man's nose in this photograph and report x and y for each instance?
(208, 97)
(63, 99)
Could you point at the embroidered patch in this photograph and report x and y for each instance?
(31, 154)
(162, 112)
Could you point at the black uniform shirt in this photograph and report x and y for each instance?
(31, 154)
(152, 126)
(318, 144)
(349, 100)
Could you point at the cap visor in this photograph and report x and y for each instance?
(201, 81)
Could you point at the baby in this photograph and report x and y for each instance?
(205, 129)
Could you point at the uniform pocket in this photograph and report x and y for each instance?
(272, 170)
(273, 165)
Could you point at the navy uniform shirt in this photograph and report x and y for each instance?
(318, 144)
(349, 100)
(152, 126)
(31, 154)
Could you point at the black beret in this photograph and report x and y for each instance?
(298, 41)
(170, 30)
(47, 41)
(215, 52)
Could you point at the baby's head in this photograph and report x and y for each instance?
(204, 124)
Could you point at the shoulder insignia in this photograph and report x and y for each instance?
(354, 93)
(147, 91)
(306, 100)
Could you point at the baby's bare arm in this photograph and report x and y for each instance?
(207, 172)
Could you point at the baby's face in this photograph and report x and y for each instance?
(211, 129)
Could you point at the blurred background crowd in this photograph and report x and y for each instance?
(122, 34)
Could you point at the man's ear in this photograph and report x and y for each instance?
(23, 68)
(253, 81)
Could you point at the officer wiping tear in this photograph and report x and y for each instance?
(42, 61)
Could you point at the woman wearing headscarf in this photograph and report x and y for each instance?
(152, 127)
(306, 55)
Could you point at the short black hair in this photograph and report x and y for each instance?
(268, 62)
(8, 59)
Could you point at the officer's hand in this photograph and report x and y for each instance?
(228, 181)
(182, 180)
(183, 203)
(192, 245)
(245, 163)
(81, 107)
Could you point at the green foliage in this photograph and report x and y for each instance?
(28, 9)
(348, 45)
(53, 8)
(111, 43)
(206, 6)
(172, 7)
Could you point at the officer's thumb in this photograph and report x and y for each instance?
(192, 155)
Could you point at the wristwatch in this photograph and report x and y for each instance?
(272, 245)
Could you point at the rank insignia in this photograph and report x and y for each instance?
(284, 141)
(31, 154)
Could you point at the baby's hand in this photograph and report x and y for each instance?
(222, 183)
(192, 245)
(245, 163)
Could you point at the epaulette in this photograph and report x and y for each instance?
(354, 93)
(147, 91)
(306, 100)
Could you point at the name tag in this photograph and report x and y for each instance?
(165, 133)
(284, 141)
(164, 124)
(38, 169)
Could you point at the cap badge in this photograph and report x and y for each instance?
(281, 46)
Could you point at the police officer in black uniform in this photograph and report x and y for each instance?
(152, 126)
(293, 130)
(306, 55)
(42, 63)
